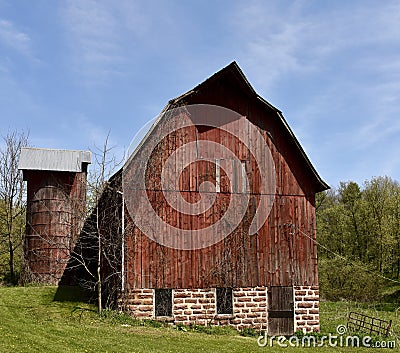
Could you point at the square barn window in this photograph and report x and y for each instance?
(163, 302)
(224, 300)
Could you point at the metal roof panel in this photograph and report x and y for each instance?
(51, 159)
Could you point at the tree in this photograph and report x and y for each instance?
(98, 183)
(358, 228)
(381, 204)
(95, 260)
(331, 223)
(12, 190)
(395, 226)
(350, 197)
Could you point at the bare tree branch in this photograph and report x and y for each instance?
(12, 191)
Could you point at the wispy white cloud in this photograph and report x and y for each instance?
(92, 30)
(291, 40)
(108, 38)
(381, 127)
(95, 136)
(11, 36)
(3, 68)
(278, 52)
(269, 45)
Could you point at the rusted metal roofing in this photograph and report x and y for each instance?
(54, 160)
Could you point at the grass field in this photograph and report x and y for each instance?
(32, 321)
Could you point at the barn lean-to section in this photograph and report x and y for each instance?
(265, 280)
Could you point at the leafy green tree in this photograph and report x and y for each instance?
(380, 199)
(358, 227)
(331, 224)
(350, 197)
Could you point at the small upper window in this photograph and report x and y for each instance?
(218, 175)
(163, 302)
(224, 300)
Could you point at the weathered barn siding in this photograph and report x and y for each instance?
(283, 252)
(280, 259)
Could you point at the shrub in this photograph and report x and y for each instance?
(344, 280)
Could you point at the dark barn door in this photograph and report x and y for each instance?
(280, 311)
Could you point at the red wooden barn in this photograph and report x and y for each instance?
(217, 217)
(255, 268)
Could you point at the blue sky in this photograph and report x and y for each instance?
(72, 70)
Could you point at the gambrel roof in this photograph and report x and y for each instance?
(233, 73)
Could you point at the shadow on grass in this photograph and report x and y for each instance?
(72, 294)
(393, 297)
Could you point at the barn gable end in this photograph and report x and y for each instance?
(283, 253)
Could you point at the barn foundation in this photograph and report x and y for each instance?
(306, 309)
(199, 307)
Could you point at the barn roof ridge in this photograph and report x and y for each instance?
(233, 65)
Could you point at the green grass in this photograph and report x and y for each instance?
(32, 321)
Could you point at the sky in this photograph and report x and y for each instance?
(73, 71)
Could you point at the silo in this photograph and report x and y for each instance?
(56, 196)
